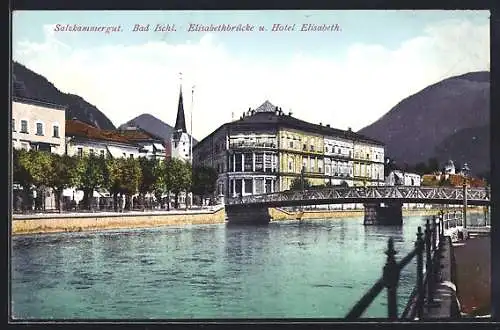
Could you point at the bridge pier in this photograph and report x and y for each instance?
(386, 214)
(247, 215)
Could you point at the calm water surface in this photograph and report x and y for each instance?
(314, 269)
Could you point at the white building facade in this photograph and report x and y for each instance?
(38, 125)
(338, 163)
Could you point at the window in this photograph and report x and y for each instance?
(13, 125)
(248, 163)
(367, 156)
(80, 152)
(291, 144)
(304, 147)
(102, 153)
(259, 162)
(55, 131)
(312, 148)
(24, 126)
(248, 186)
(312, 164)
(39, 129)
(238, 186)
(290, 165)
(304, 163)
(131, 156)
(238, 164)
(91, 151)
(350, 153)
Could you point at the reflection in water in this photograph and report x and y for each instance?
(286, 269)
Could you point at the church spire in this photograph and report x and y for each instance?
(180, 121)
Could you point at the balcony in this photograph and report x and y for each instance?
(251, 144)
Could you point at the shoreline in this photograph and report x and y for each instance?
(91, 222)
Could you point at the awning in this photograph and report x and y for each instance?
(159, 146)
(115, 151)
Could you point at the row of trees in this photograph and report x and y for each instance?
(121, 176)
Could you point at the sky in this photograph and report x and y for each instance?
(348, 77)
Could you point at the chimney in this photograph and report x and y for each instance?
(349, 129)
(320, 124)
(290, 113)
(276, 111)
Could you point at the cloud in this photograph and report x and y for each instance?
(124, 81)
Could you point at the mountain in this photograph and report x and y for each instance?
(29, 84)
(152, 125)
(447, 120)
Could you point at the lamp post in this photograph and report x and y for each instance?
(465, 172)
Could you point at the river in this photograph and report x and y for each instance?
(314, 269)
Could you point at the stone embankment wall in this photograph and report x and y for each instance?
(61, 223)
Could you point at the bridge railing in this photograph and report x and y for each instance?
(371, 192)
(428, 245)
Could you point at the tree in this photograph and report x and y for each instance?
(177, 177)
(64, 174)
(124, 178)
(21, 174)
(92, 175)
(148, 177)
(204, 181)
(132, 174)
(297, 184)
(37, 165)
(159, 186)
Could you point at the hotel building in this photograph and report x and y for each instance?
(266, 149)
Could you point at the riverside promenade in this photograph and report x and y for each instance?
(473, 265)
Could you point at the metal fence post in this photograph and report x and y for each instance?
(420, 273)
(428, 261)
(391, 278)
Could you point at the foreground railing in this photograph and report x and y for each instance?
(423, 292)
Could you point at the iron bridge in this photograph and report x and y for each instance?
(372, 194)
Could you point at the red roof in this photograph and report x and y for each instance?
(81, 129)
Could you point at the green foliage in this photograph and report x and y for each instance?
(33, 167)
(148, 174)
(297, 184)
(124, 175)
(64, 172)
(159, 186)
(204, 180)
(178, 175)
(21, 162)
(92, 173)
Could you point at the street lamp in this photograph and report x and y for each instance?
(465, 173)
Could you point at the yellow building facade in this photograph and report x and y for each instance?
(299, 149)
(362, 163)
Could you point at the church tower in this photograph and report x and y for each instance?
(180, 144)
